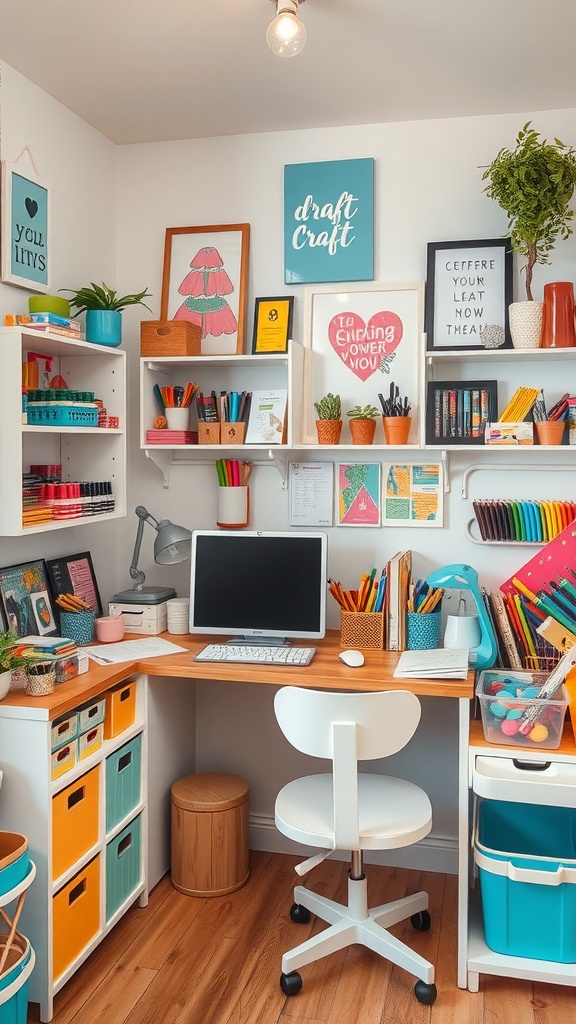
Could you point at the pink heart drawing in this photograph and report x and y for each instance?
(361, 346)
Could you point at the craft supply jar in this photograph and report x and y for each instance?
(41, 678)
(78, 626)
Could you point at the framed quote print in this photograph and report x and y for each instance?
(25, 212)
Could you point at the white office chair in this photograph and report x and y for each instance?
(349, 810)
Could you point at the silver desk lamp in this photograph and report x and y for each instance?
(171, 544)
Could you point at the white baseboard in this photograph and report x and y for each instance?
(435, 853)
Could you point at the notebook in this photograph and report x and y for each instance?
(438, 663)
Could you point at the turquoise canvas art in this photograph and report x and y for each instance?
(329, 221)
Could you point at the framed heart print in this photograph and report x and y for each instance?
(359, 339)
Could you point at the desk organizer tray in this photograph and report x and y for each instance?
(14, 860)
(526, 856)
(512, 714)
(62, 415)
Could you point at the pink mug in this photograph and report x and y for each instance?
(110, 628)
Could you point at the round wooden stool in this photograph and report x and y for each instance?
(209, 834)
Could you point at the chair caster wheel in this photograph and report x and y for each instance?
(299, 914)
(292, 983)
(421, 921)
(424, 993)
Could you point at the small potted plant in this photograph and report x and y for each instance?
(396, 419)
(533, 184)
(329, 422)
(10, 657)
(103, 307)
(362, 423)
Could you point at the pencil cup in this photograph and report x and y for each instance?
(177, 418)
(78, 626)
(41, 678)
(177, 615)
(362, 630)
(232, 433)
(208, 433)
(233, 507)
(423, 630)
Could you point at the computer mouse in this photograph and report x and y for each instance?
(352, 658)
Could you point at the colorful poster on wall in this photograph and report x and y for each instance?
(25, 229)
(412, 494)
(329, 221)
(359, 494)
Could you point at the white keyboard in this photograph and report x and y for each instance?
(254, 655)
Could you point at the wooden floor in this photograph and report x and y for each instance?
(185, 960)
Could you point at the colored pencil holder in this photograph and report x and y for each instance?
(362, 630)
(233, 507)
(208, 433)
(423, 632)
(41, 678)
(78, 626)
(232, 433)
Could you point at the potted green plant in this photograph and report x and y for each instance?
(10, 657)
(329, 422)
(103, 307)
(533, 183)
(362, 423)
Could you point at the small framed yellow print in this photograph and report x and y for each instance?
(272, 324)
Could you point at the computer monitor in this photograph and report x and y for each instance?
(262, 586)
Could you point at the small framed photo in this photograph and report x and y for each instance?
(468, 289)
(25, 224)
(205, 282)
(457, 411)
(26, 599)
(74, 574)
(272, 324)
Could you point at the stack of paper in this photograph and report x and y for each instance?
(435, 664)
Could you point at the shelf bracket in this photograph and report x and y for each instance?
(281, 465)
(163, 460)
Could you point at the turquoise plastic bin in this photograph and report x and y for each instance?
(526, 855)
(123, 781)
(14, 988)
(14, 860)
(123, 860)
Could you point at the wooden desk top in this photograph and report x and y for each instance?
(326, 671)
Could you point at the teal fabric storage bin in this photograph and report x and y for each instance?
(526, 855)
(123, 871)
(123, 781)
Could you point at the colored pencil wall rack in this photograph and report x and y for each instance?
(507, 521)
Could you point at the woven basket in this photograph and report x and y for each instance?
(362, 630)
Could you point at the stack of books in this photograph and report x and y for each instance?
(46, 322)
(49, 646)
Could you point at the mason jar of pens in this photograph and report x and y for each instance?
(233, 505)
(222, 418)
(423, 617)
(361, 612)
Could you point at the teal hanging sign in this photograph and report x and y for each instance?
(25, 226)
(329, 221)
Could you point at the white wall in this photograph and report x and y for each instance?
(111, 207)
(80, 166)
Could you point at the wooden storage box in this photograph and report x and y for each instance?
(169, 338)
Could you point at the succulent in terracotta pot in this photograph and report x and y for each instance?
(329, 422)
(363, 423)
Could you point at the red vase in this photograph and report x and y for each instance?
(558, 323)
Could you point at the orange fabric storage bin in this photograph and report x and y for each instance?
(120, 709)
(76, 915)
(74, 821)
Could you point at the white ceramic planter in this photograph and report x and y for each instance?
(526, 323)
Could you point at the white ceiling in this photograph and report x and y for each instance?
(155, 70)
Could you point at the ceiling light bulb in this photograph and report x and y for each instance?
(286, 34)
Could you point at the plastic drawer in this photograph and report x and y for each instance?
(64, 730)
(520, 780)
(120, 709)
(123, 866)
(123, 781)
(90, 715)
(76, 915)
(74, 821)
